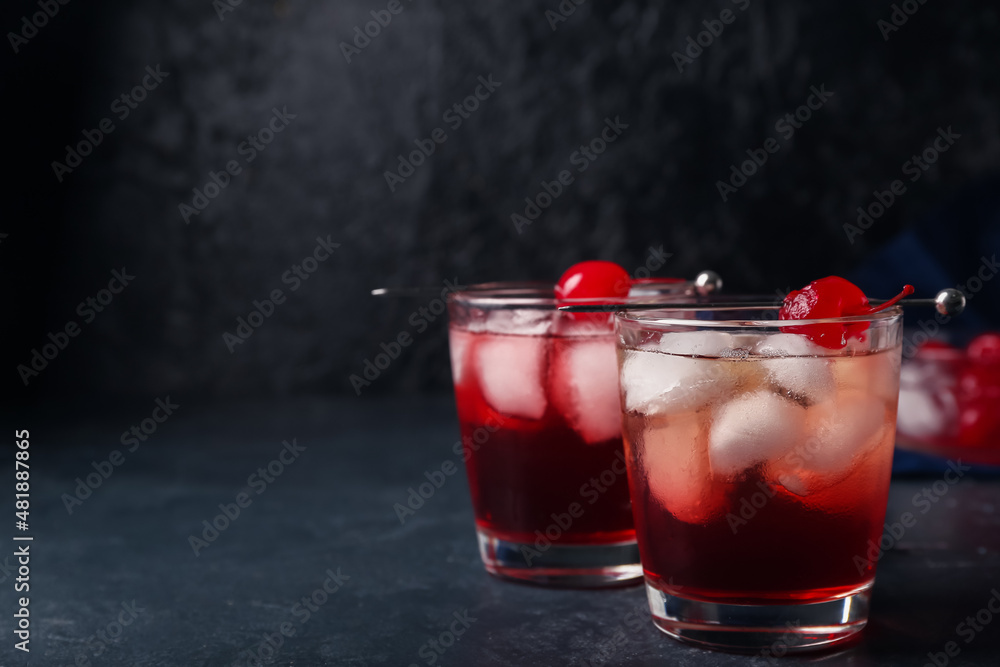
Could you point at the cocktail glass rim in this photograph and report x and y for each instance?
(656, 318)
(540, 295)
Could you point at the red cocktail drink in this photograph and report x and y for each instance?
(548, 459)
(759, 463)
(540, 416)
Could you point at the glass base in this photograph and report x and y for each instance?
(769, 630)
(584, 566)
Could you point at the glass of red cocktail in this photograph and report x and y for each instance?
(538, 407)
(759, 455)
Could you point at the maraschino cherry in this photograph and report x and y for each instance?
(979, 391)
(831, 297)
(593, 278)
(985, 349)
(979, 377)
(593, 282)
(978, 422)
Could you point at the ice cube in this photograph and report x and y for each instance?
(806, 379)
(796, 480)
(883, 373)
(788, 345)
(837, 433)
(584, 386)
(675, 463)
(511, 373)
(754, 428)
(519, 321)
(584, 324)
(799, 368)
(914, 374)
(656, 383)
(926, 414)
(699, 343)
(875, 374)
(458, 345)
(647, 375)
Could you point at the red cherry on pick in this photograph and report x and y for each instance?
(593, 278)
(831, 297)
(596, 280)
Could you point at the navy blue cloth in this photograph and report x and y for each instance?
(955, 246)
(917, 464)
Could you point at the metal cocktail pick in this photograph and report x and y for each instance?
(948, 301)
(704, 283)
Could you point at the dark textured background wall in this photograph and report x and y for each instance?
(324, 174)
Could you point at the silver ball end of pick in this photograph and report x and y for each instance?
(707, 282)
(949, 301)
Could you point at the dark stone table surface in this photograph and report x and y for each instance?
(121, 565)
